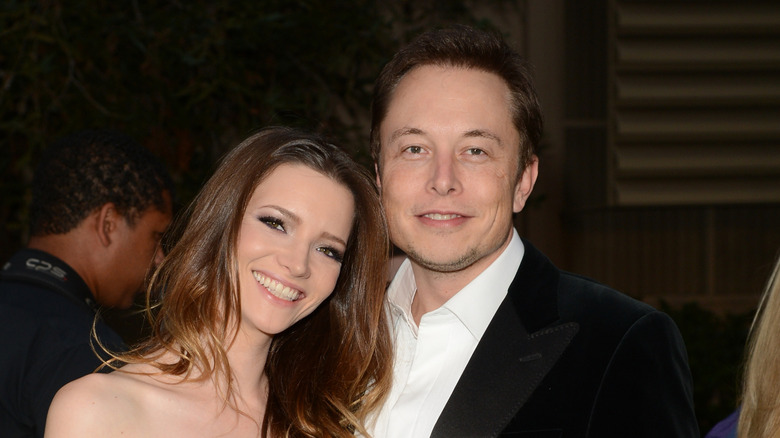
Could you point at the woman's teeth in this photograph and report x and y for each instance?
(276, 288)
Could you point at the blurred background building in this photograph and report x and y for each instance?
(661, 172)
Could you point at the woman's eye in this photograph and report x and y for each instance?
(273, 222)
(332, 253)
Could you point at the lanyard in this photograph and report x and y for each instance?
(43, 269)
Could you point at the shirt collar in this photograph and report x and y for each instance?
(476, 303)
(401, 292)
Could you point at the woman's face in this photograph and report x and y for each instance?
(290, 246)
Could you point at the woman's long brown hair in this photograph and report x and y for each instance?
(331, 369)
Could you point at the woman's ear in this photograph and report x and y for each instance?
(378, 180)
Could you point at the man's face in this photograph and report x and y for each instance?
(448, 168)
(137, 252)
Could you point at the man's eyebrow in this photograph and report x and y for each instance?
(474, 133)
(405, 131)
(482, 134)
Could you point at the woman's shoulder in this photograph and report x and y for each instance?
(100, 405)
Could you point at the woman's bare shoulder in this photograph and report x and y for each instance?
(102, 405)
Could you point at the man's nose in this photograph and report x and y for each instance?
(444, 176)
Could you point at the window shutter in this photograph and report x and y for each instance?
(693, 103)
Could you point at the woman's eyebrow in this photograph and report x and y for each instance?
(289, 215)
(335, 238)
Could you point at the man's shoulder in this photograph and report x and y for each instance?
(576, 292)
(43, 327)
(26, 330)
(561, 296)
(588, 294)
(606, 312)
(46, 343)
(40, 303)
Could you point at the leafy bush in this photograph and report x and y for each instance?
(189, 79)
(716, 345)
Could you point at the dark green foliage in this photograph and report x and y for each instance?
(716, 346)
(190, 78)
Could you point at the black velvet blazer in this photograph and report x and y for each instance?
(565, 356)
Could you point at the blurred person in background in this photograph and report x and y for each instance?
(100, 204)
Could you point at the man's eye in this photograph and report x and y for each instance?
(332, 253)
(476, 151)
(414, 149)
(273, 222)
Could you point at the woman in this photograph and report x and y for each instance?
(241, 345)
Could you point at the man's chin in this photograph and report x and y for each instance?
(441, 264)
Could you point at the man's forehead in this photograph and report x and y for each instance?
(415, 110)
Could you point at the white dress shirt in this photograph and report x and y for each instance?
(429, 359)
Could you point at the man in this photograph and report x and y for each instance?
(100, 203)
(491, 338)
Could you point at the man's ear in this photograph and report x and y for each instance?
(378, 179)
(106, 223)
(525, 185)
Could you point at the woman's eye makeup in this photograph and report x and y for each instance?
(278, 224)
(332, 253)
(272, 222)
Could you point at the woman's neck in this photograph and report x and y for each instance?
(247, 356)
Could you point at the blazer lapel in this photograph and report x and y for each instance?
(504, 371)
(509, 363)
